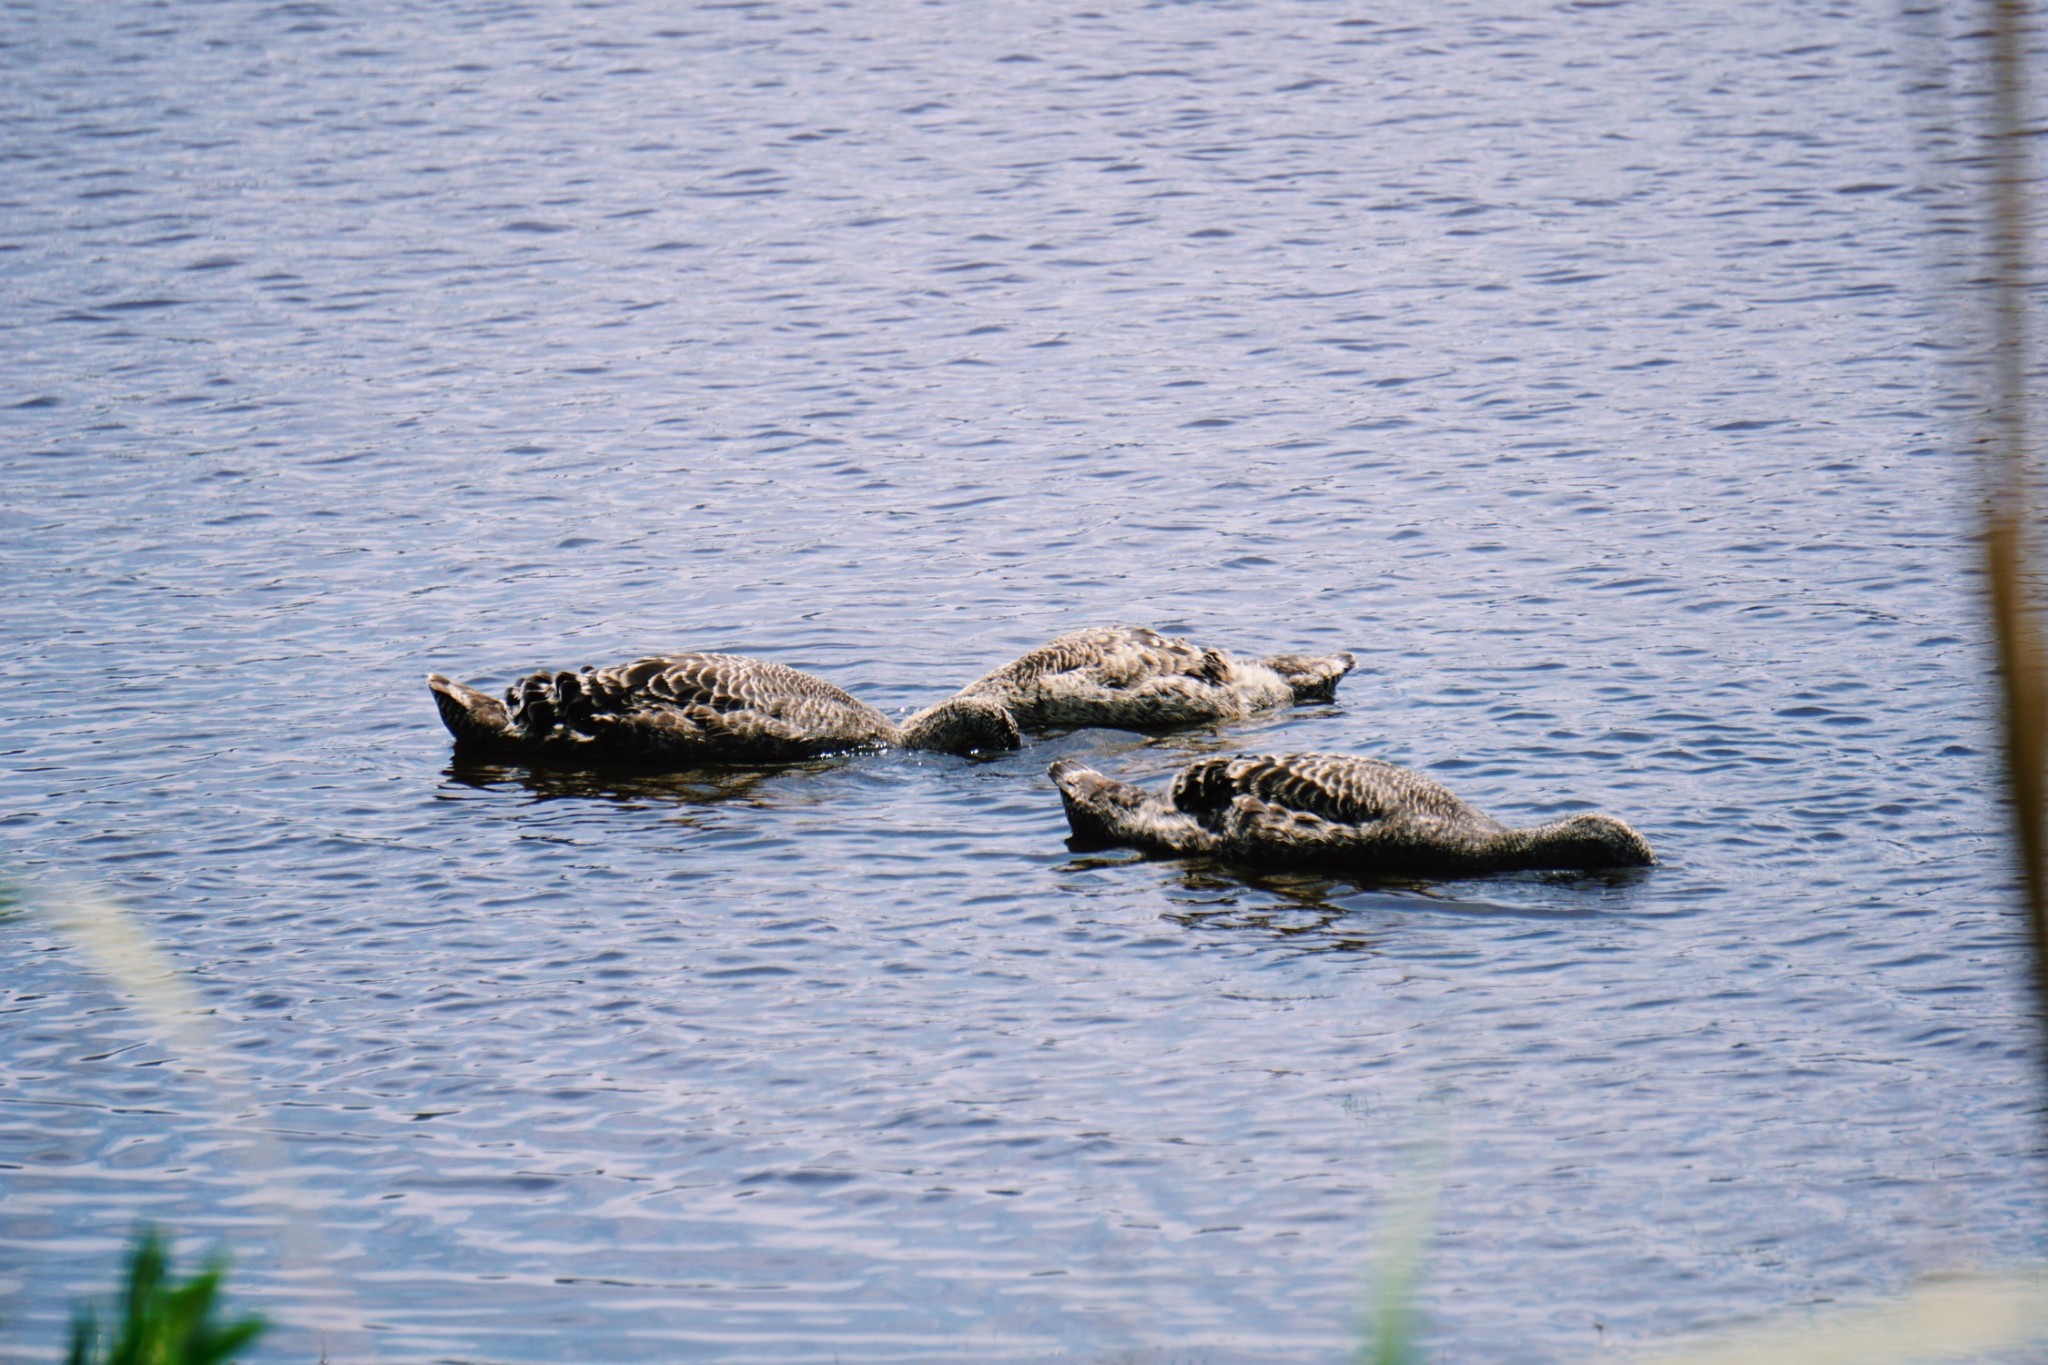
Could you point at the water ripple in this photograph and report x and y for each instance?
(1572, 369)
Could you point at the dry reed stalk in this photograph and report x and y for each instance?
(2008, 498)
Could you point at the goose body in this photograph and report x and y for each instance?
(679, 710)
(1331, 811)
(1126, 676)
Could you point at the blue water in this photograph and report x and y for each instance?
(1590, 371)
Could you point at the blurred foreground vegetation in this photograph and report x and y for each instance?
(156, 1320)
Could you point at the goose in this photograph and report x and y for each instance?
(1331, 811)
(679, 710)
(1133, 677)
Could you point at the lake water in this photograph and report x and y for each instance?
(1582, 368)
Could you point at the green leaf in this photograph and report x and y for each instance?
(163, 1322)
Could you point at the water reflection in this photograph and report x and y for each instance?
(1326, 932)
(1550, 894)
(1304, 910)
(1348, 914)
(695, 787)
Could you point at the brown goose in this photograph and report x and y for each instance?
(677, 710)
(1332, 811)
(1127, 676)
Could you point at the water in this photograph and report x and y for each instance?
(1577, 367)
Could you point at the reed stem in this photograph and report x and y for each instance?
(2008, 500)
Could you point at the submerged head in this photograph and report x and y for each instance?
(964, 725)
(1590, 841)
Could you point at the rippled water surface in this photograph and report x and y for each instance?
(1577, 367)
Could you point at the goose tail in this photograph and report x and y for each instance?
(1105, 813)
(472, 717)
(1097, 807)
(1312, 677)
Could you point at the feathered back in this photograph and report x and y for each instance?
(672, 710)
(1118, 656)
(1338, 787)
(727, 691)
(1131, 676)
(1336, 811)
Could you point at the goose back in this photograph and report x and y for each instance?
(1132, 676)
(1334, 811)
(1338, 787)
(672, 709)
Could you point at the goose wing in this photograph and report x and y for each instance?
(1110, 656)
(1113, 675)
(693, 700)
(720, 682)
(1337, 787)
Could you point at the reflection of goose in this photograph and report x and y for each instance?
(678, 710)
(620, 784)
(1333, 811)
(1120, 676)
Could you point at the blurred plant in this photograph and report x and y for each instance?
(1959, 1318)
(119, 947)
(162, 1322)
(1971, 1315)
(1395, 1323)
(2008, 500)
